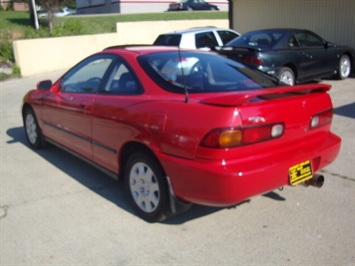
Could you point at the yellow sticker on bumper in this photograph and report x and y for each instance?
(300, 173)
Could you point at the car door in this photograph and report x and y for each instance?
(225, 36)
(67, 110)
(206, 40)
(112, 121)
(316, 61)
(200, 5)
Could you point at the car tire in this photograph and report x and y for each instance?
(33, 131)
(147, 187)
(189, 8)
(344, 67)
(287, 76)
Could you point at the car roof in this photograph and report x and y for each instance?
(280, 29)
(145, 49)
(197, 30)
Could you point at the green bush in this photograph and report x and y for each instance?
(6, 51)
(68, 27)
(16, 71)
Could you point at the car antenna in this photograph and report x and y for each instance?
(183, 78)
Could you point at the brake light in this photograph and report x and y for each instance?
(253, 60)
(321, 119)
(234, 137)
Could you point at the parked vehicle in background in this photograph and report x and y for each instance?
(202, 38)
(190, 5)
(184, 126)
(293, 55)
(65, 11)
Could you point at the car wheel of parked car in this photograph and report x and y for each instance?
(287, 76)
(147, 187)
(33, 132)
(344, 67)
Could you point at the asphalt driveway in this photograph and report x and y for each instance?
(58, 210)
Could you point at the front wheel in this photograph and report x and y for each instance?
(286, 76)
(344, 67)
(33, 131)
(147, 187)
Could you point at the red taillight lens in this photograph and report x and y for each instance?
(321, 119)
(253, 60)
(228, 138)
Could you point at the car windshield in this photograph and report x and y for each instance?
(201, 73)
(262, 39)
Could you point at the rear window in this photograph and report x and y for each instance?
(168, 40)
(262, 39)
(201, 73)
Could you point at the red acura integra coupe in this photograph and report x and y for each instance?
(182, 127)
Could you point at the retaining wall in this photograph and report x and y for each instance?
(36, 56)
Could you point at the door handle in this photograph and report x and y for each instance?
(83, 105)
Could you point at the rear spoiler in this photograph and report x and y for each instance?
(241, 97)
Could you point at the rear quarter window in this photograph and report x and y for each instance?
(168, 40)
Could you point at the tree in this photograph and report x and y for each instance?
(50, 6)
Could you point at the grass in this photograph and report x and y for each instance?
(16, 25)
(19, 22)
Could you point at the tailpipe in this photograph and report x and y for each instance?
(315, 181)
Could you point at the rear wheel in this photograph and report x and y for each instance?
(344, 67)
(147, 187)
(287, 76)
(33, 132)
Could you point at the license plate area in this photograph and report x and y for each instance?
(300, 173)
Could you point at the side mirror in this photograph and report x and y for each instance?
(329, 45)
(44, 85)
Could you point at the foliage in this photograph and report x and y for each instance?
(6, 51)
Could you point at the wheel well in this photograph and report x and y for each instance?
(127, 150)
(24, 108)
(293, 68)
(351, 60)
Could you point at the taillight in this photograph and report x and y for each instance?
(321, 119)
(234, 137)
(253, 60)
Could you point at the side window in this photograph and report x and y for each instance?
(308, 40)
(169, 40)
(121, 81)
(87, 76)
(292, 42)
(206, 39)
(226, 36)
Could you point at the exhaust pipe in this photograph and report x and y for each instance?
(315, 181)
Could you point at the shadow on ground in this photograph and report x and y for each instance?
(105, 186)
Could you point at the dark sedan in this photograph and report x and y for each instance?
(292, 55)
(191, 5)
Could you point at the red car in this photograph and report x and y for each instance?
(184, 127)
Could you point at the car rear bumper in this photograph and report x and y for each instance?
(225, 183)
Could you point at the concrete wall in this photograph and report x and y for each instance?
(36, 56)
